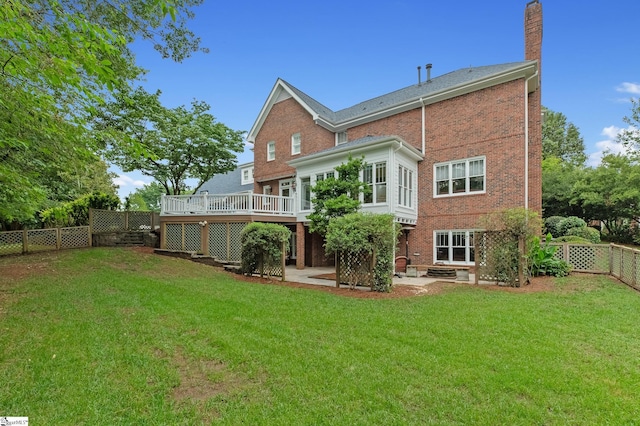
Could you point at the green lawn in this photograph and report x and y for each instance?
(112, 336)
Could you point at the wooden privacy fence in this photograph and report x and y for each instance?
(34, 240)
(103, 221)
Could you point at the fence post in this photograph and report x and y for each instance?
(521, 251)
(337, 269)
(126, 220)
(634, 266)
(610, 259)
(283, 257)
(58, 238)
(25, 243)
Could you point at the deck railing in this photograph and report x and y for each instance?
(227, 204)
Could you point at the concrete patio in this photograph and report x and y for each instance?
(306, 276)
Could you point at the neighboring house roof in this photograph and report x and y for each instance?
(227, 183)
(455, 83)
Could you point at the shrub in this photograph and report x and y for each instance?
(571, 239)
(76, 212)
(512, 225)
(542, 260)
(357, 232)
(551, 225)
(590, 234)
(570, 222)
(262, 245)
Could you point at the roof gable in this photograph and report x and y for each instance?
(439, 88)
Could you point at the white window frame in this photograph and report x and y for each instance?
(341, 137)
(303, 190)
(296, 142)
(453, 236)
(271, 151)
(405, 186)
(459, 166)
(249, 178)
(375, 184)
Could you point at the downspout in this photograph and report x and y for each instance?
(423, 124)
(526, 140)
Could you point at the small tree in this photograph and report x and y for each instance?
(366, 232)
(262, 246)
(335, 197)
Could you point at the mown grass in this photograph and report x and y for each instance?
(112, 336)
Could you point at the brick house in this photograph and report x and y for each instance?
(440, 154)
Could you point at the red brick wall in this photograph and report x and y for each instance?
(286, 118)
(489, 123)
(407, 125)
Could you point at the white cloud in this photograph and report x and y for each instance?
(126, 181)
(626, 87)
(610, 145)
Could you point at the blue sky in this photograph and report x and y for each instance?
(344, 52)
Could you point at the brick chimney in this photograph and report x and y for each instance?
(533, 32)
(533, 52)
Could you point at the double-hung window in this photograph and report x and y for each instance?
(271, 151)
(405, 187)
(295, 143)
(454, 247)
(305, 193)
(460, 177)
(374, 176)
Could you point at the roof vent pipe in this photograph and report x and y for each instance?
(419, 78)
(428, 68)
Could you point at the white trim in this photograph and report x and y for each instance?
(299, 144)
(269, 145)
(466, 176)
(450, 246)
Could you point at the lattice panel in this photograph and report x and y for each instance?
(193, 237)
(75, 237)
(627, 267)
(11, 242)
(588, 258)
(42, 239)
(235, 248)
(107, 221)
(271, 271)
(173, 237)
(616, 253)
(218, 241)
(138, 221)
(356, 268)
(497, 257)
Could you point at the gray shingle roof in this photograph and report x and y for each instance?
(413, 92)
(227, 183)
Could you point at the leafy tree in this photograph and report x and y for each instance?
(631, 137)
(179, 143)
(147, 198)
(561, 139)
(335, 197)
(558, 180)
(611, 193)
(58, 60)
